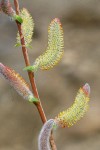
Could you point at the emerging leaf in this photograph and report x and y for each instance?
(18, 18)
(17, 82)
(70, 116)
(27, 27)
(54, 51)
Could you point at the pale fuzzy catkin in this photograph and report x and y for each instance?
(17, 82)
(7, 8)
(44, 136)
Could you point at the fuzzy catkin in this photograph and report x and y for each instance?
(79, 108)
(7, 8)
(44, 136)
(27, 27)
(17, 82)
(54, 51)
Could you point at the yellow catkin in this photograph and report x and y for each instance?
(54, 51)
(27, 27)
(70, 116)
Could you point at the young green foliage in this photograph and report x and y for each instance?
(54, 51)
(17, 82)
(27, 28)
(70, 116)
(18, 18)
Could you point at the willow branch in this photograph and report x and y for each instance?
(31, 75)
(27, 62)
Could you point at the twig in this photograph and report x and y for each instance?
(31, 75)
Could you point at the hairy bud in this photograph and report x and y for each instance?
(17, 82)
(7, 8)
(43, 141)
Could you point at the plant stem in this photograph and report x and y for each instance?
(31, 75)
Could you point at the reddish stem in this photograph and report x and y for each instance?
(30, 74)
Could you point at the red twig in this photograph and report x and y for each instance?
(30, 74)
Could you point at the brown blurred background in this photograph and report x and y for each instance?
(20, 123)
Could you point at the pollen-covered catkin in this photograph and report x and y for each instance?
(27, 27)
(79, 108)
(54, 51)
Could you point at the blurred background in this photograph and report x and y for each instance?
(20, 123)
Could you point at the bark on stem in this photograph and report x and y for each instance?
(31, 75)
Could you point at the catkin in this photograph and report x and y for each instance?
(79, 108)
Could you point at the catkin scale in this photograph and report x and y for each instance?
(80, 106)
(17, 82)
